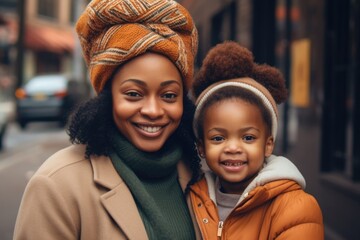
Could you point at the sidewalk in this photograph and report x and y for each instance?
(8, 107)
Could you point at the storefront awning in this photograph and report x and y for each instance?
(38, 37)
(43, 38)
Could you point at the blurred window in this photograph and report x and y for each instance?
(47, 62)
(341, 111)
(223, 24)
(48, 8)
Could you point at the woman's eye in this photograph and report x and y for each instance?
(133, 94)
(170, 96)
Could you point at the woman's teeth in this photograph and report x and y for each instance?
(150, 129)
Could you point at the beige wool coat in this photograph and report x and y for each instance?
(71, 197)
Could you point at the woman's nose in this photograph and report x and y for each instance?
(152, 108)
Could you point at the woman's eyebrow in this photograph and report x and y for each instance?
(137, 81)
(143, 83)
(168, 82)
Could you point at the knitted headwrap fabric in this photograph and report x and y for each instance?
(112, 32)
(246, 83)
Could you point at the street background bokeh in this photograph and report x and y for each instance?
(316, 45)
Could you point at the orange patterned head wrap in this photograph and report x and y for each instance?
(112, 32)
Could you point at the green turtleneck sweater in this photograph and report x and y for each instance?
(152, 179)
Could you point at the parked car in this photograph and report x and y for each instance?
(3, 125)
(48, 98)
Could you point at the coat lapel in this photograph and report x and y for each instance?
(184, 177)
(118, 201)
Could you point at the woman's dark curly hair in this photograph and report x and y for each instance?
(92, 124)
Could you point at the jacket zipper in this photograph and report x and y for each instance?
(220, 227)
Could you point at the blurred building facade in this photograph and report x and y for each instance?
(316, 46)
(48, 39)
(8, 38)
(37, 37)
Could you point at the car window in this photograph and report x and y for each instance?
(46, 83)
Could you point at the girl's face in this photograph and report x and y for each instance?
(235, 143)
(147, 100)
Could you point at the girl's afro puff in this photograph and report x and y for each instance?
(230, 60)
(272, 79)
(224, 61)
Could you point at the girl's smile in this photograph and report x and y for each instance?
(235, 142)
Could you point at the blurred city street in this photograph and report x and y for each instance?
(23, 153)
(315, 45)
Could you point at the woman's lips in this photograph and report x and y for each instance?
(150, 131)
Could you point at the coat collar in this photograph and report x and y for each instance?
(105, 174)
(118, 200)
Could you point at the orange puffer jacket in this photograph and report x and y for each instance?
(274, 206)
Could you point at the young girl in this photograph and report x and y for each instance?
(249, 193)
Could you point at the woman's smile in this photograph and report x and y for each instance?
(150, 130)
(147, 100)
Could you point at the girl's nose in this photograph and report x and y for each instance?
(233, 146)
(152, 108)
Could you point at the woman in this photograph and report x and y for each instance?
(133, 155)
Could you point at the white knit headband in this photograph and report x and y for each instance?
(202, 99)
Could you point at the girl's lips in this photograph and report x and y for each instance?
(233, 165)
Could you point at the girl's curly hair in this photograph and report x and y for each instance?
(92, 124)
(230, 60)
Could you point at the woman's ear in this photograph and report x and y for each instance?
(269, 146)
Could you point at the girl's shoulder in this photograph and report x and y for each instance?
(297, 205)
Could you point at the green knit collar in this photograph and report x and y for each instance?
(148, 164)
(137, 168)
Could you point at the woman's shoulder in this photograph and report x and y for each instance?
(68, 157)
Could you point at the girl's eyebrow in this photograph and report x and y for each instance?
(249, 128)
(216, 129)
(241, 129)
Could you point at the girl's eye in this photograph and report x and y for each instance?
(248, 138)
(217, 139)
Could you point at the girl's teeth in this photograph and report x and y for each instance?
(233, 164)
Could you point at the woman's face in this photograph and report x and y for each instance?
(147, 100)
(235, 142)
